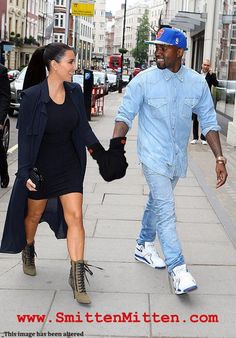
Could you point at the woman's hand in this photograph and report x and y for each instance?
(30, 185)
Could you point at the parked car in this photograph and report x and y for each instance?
(112, 82)
(99, 79)
(16, 89)
(136, 71)
(12, 74)
(6, 133)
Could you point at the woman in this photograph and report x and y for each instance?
(53, 133)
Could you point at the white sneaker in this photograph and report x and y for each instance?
(204, 142)
(183, 281)
(193, 142)
(147, 254)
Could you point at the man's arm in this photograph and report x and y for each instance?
(213, 140)
(120, 129)
(214, 80)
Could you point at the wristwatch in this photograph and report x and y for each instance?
(221, 160)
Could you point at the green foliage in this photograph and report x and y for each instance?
(31, 41)
(123, 50)
(18, 41)
(140, 52)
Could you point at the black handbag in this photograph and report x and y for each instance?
(36, 178)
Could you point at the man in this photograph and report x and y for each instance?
(4, 107)
(165, 98)
(211, 79)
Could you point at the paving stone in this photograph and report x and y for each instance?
(196, 216)
(110, 249)
(115, 188)
(124, 199)
(93, 198)
(214, 280)
(48, 248)
(183, 307)
(202, 232)
(89, 187)
(188, 181)
(114, 212)
(211, 253)
(52, 274)
(192, 202)
(8, 264)
(131, 278)
(23, 302)
(121, 229)
(101, 304)
(188, 191)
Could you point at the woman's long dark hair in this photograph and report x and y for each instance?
(41, 58)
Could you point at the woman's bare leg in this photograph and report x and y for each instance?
(34, 213)
(72, 207)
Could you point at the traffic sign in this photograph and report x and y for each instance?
(82, 8)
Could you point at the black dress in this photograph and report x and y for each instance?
(57, 160)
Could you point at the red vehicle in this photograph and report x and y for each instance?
(136, 71)
(115, 61)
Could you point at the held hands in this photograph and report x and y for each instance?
(112, 163)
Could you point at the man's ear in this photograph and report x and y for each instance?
(180, 52)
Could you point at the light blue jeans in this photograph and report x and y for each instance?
(159, 217)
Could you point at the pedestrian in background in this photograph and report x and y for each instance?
(165, 97)
(211, 80)
(5, 97)
(53, 133)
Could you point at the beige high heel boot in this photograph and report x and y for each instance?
(28, 254)
(77, 282)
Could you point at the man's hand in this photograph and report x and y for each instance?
(221, 174)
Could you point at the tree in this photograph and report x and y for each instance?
(140, 52)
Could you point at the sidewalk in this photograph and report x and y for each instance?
(112, 212)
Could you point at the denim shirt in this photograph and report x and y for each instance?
(165, 102)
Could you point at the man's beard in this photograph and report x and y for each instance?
(161, 65)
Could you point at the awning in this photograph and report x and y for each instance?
(189, 21)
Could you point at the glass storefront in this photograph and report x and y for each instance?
(224, 95)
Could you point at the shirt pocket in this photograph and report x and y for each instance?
(158, 107)
(188, 107)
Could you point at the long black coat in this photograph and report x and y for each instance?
(31, 124)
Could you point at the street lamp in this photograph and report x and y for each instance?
(122, 50)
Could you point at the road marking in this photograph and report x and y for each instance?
(12, 149)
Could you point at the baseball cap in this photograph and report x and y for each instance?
(170, 36)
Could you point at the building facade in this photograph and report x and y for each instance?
(5, 45)
(83, 40)
(99, 29)
(109, 35)
(133, 17)
(155, 14)
(16, 24)
(45, 18)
